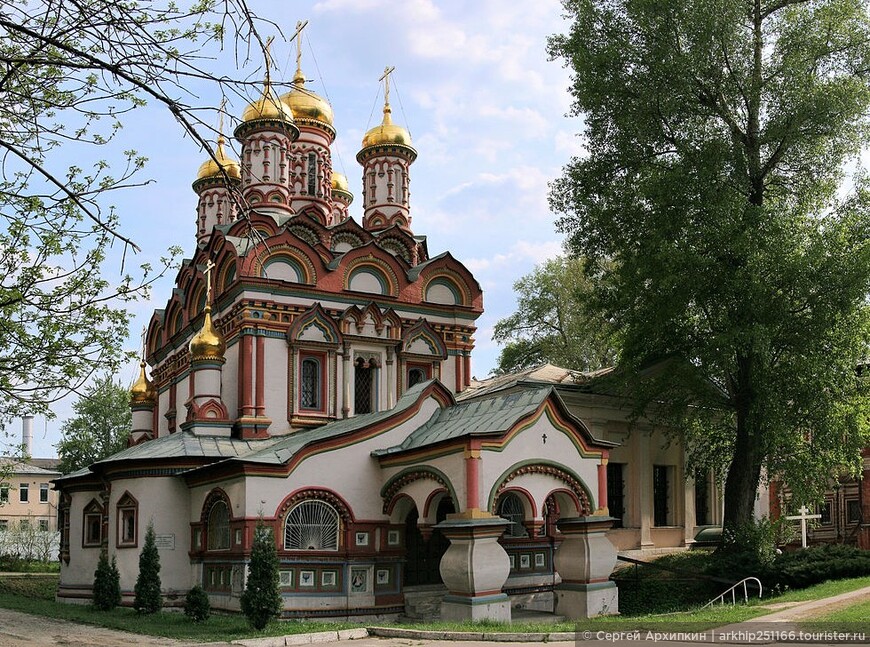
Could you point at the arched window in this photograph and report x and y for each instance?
(312, 173)
(415, 376)
(511, 508)
(219, 526)
(311, 525)
(364, 385)
(309, 397)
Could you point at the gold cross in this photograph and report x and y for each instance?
(144, 332)
(207, 271)
(386, 79)
(299, 27)
(268, 55)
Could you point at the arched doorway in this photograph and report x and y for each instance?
(423, 556)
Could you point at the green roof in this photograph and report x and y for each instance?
(485, 416)
(286, 447)
(184, 444)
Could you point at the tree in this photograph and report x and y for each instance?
(261, 599)
(713, 202)
(554, 322)
(99, 428)
(147, 596)
(196, 604)
(70, 74)
(107, 583)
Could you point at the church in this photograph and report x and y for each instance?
(312, 373)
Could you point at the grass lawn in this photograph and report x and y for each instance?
(35, 594)
(851, 619)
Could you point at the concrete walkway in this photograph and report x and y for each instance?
(24, 630)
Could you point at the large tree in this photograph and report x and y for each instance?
(554, 322)
(71, 73)
(719, 134)
(99, 428)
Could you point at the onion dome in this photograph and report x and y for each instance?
(387, 133)
(268, 106)
(143, 391)
(340, 187)
(207, 344)
(306, 106)
(211, 168)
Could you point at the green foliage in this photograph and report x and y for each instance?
(107, 584)
(196, 604)
(756, 541)
(713, 203)
(99, 428)
(73, 73)
(805, 567)
(261, 600)
(554, 322)
(148, 598)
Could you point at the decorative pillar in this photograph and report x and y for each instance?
(252, 423)
(603, 509)
(584, 561)
(472, 478)
(474, 569)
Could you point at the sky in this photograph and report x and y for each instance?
(486, 109)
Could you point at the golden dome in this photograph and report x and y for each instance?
(208, 342)
(339, 182)
(268, 106)
(387, 133)
(305, 105)
(211, 168)
(143, 391)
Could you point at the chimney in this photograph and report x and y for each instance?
(27, 435)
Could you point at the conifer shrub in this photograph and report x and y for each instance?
(261, 600)
(196, 604)
(107, 584)
(148, 598)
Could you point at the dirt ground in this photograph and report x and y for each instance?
(23, 630)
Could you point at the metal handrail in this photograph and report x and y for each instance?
(733, 592)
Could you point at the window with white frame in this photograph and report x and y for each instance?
(312, 525)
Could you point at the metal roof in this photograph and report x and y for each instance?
(24, 467)
(184, 444)
(485, 416)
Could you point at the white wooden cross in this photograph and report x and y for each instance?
(804, 516)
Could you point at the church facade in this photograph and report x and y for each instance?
(311, 373)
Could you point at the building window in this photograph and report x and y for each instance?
(825, 510)
(364, 385)
(311, 525)
(853, 511)
(23, 493)
(43, 492)
(702, 499)
(312, 173)
(511, 508)
(416, 375)
(311, 384)
(128, 532)
(4, 525)
(219, 526)
(4, 493)
(93, 525)
(661, 494)
(616, 493)
(43, 525)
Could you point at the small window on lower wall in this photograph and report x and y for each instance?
(128, 509)
(92, 528)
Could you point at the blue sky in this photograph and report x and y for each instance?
(486, 110)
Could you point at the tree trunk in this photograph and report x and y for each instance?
(744, 473)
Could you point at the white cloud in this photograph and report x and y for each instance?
(521, 252)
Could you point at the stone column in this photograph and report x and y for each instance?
(584, 561)
(474, 569)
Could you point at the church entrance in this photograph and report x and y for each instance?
(423, 556)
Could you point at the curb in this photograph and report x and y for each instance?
(305, 639)
(500, 637)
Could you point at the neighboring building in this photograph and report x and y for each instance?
(28, 503)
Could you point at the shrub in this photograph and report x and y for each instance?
(148, 598)
(196, 604)
(107, 584)
(810, 566)
(261, 600)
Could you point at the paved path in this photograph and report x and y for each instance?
(24, 630)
